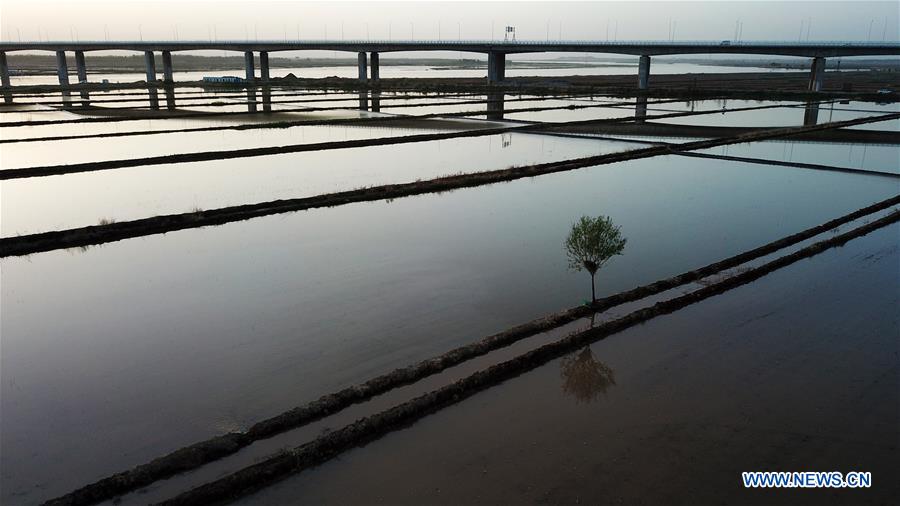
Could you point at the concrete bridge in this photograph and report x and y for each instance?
(368, 53)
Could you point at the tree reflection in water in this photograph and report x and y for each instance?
(584, 377)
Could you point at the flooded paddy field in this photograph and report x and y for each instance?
(798, 369)
(117, 353)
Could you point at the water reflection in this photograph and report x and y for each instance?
(170, 97)
(267, 99)
(495, 105)
(154, 98)
(251, 99)
(640, 109)
(376, 100)
(811, 113)
(363, 100)
(584, 377)
(66, 99)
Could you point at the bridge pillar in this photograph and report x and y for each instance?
(373, 61)
(496, 67)
(4, 70)
(62, 71)
(361, 58)
(264, 66)
(817, 74)
(644, 73)
(80, 66)
(150, 63)
(249, 71)
(167, 66)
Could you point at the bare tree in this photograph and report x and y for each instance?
(591, 243)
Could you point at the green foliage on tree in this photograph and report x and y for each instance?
(591, 243)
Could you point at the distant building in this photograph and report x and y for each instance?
(222, 79)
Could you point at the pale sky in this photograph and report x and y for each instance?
(192, 19)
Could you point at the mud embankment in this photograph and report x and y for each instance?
(799, 165)
(98, 234)
(201, 453)
(364, 430)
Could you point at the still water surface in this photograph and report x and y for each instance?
(122, 352)
(798, 368)
(116, 354)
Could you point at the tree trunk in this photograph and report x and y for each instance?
(593, 292)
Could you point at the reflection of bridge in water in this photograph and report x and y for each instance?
(640, 124)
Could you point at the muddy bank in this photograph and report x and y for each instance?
(207, 451)
(367, 429)
(52, 170)
(660, 129)
(799, 165)
(98, 234)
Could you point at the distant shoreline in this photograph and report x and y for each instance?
(30, 65)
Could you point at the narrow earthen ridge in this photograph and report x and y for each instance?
(364, 430)
(207, 451)
(201, 156)
(98, 234)
(799, 165)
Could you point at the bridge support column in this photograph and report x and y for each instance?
(167, 66)
(817, 74)
(373, 61)
(361, 58)
(4, 70)
(264, 66)
(62, 71)
(150, 63)
(496, 67)
(644, 73)
(80, 66)
(249, 71)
